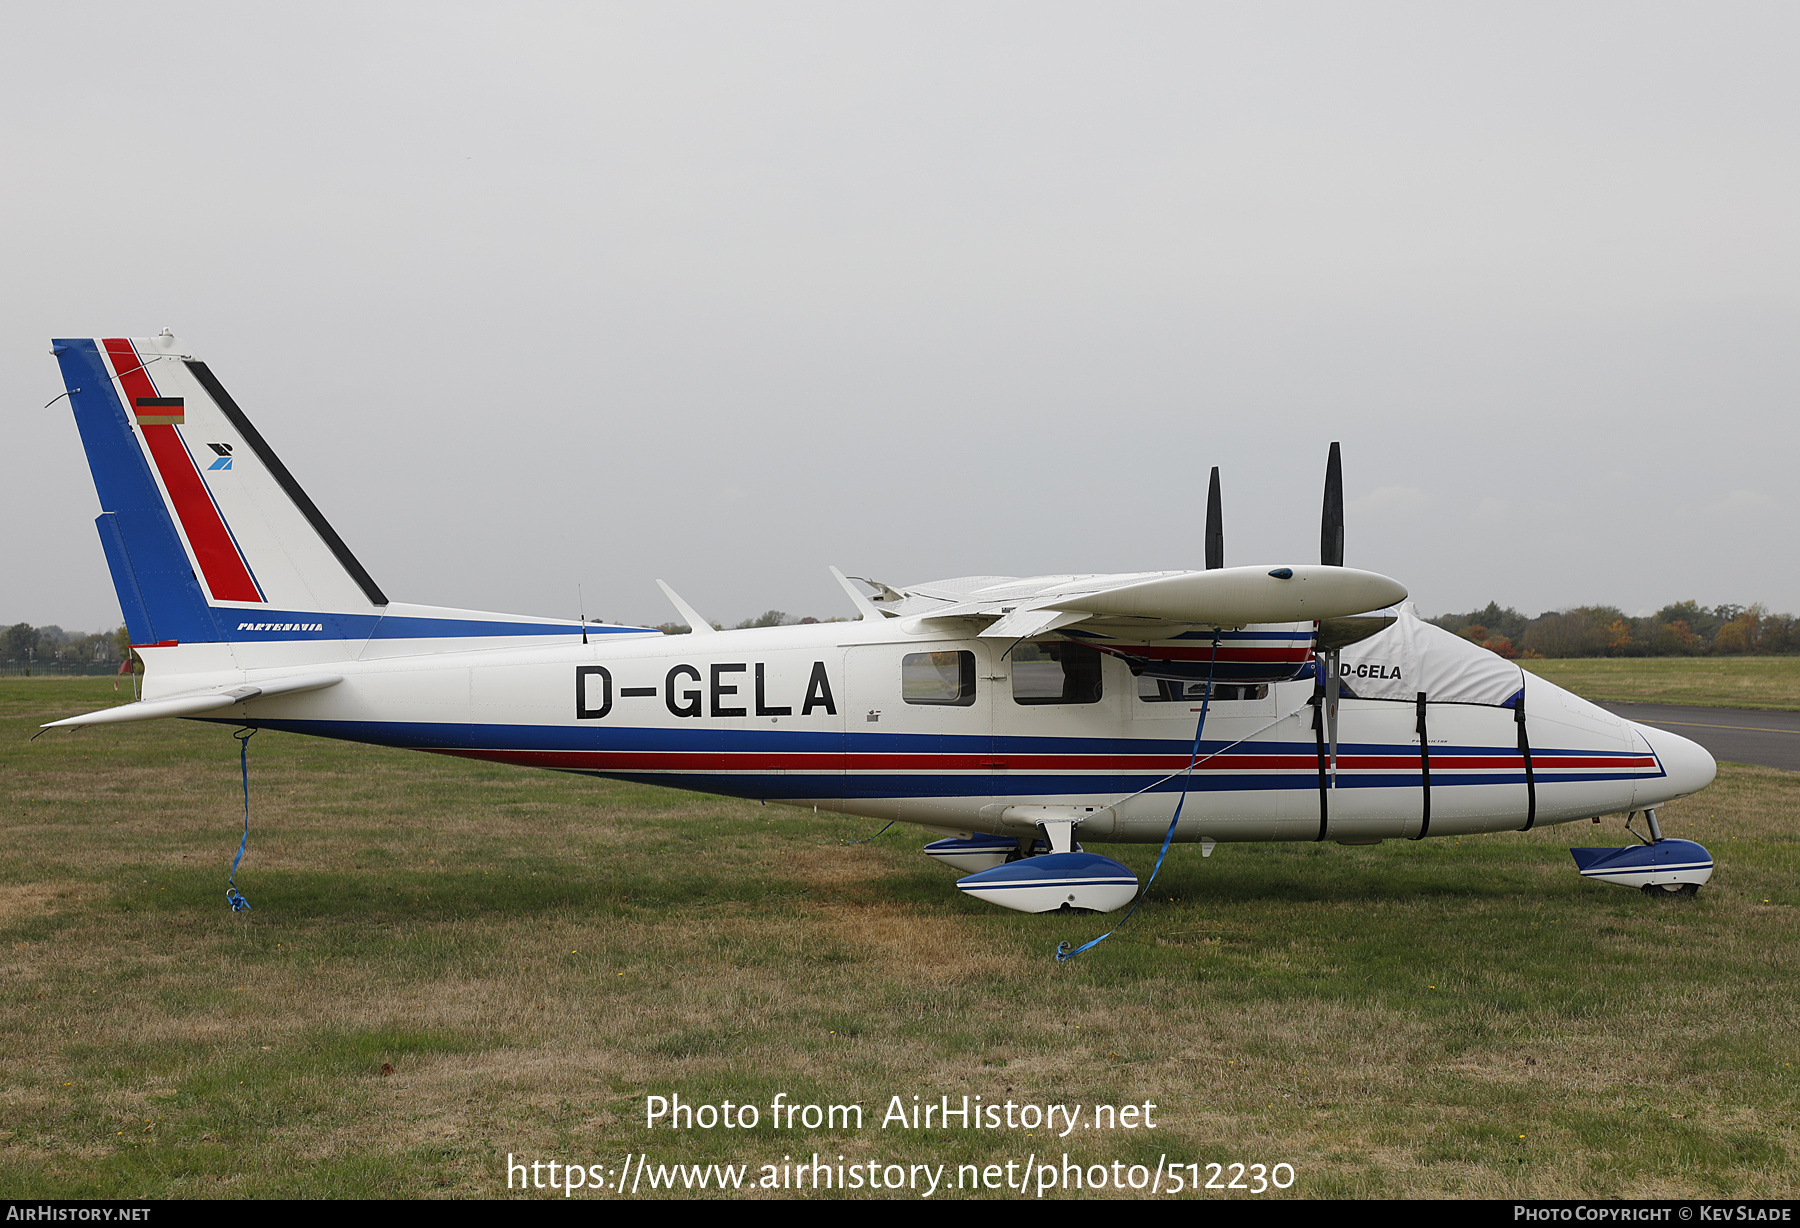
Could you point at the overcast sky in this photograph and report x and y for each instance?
(532, 296)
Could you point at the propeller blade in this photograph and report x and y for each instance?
(1215, 527)
(1331, 526)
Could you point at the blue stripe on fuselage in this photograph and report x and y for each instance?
(472, 735)
(1221, 776)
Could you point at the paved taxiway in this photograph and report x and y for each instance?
(1736, 735)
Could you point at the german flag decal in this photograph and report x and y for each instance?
(227, 576)
(160, 411)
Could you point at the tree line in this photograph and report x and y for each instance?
(50, 649)
(24, 647)
(1685, 629)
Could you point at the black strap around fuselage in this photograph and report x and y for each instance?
(1424, 774)
(1530, 777)
(1318, 707)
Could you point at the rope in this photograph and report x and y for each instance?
(233, 896)
(1063, 954)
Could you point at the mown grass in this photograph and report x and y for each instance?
(1714, 682)
(529, 955)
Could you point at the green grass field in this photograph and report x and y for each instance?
(448, 962)
(1714, 682)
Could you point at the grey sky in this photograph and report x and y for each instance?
(533, 296)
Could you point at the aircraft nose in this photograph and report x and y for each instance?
(1689, 767)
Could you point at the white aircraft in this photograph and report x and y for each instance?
(1009, 716)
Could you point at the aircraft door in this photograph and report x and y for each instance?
(918, 733)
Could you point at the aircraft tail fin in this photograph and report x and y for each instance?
(221, 561)
(204, 528)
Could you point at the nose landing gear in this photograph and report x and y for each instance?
(1661, 866)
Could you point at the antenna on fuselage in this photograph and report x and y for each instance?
(581, 605)
(1215, 525)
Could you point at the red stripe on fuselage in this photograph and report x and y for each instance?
(765, 761)
(227, 576)
(1298, 653)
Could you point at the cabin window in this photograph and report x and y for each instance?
(1055, 673)
(943, 678)
(1187, 690)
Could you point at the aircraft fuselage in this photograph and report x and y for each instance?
(820, 715)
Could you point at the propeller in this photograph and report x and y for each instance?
(1331, 524)
(1331, 554)
(1215, 528)
(1336, 633)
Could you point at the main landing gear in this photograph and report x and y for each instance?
(1050, 873)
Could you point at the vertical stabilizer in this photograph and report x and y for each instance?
(204, 528)
(212, 542)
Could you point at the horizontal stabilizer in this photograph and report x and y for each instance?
(193, 705)
(1237, 596)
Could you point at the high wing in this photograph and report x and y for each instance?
(1232, 624)
(1155, 602)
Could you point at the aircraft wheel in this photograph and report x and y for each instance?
(1672, 890)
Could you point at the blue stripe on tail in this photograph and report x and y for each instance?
(158, 594)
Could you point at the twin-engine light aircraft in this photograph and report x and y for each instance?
(1015, 718)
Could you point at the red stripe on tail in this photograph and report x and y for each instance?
(227, 576)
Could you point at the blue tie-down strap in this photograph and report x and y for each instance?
(1062, 948)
